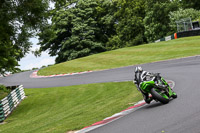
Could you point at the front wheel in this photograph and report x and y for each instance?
(174, 95)
(159, 96)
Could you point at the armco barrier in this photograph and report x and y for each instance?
(174, 36)
(10, 102)
(188, 33)
(195, 32)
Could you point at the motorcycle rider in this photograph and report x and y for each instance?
(140, 76)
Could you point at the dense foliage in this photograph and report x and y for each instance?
(190, 4)
(18, 20)
(3, 91)
(79, 28)
(74, 32)
(181, 14)
(156, 21)
(129, 24)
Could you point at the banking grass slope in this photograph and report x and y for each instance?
(182, 47)
(63, 109)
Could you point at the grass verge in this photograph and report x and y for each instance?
(62, 109)
(3, 91)
(182, 47)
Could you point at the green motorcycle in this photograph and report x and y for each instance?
(158, 88)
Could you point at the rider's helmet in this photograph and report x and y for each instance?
(138, 69)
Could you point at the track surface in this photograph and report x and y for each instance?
(181, 115)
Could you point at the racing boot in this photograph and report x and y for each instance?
(147, 99)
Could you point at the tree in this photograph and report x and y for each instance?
(190, 4)
(78, 29)
(181, 14)
(106, 20)
(18, 20)
(156, 21)
(129, 24)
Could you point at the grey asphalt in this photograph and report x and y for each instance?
(181, 115)
(118, 74)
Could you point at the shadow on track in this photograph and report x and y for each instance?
(153, 105)
(156, 104)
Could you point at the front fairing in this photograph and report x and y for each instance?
(146, 86)
(169, 89)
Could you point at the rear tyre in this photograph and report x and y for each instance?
(158, 96)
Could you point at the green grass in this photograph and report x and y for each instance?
(3, 92)
(183, 47)
(62, 109)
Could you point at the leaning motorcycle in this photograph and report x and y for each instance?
(158, 88)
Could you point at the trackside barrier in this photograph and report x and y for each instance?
(174, 36)
(10, 102)
(195, 32)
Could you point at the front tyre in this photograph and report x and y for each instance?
(163, 99)
(174, 95)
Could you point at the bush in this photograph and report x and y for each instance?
(3, 88)
(156, 21)
(3, 91)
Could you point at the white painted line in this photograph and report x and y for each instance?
(88, 129)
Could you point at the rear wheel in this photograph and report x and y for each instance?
(163, 98)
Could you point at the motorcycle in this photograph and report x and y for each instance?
(158, 88)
